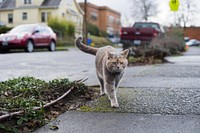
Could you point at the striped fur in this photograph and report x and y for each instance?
(85, 48)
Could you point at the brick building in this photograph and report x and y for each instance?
(105, 18)
(192, 32)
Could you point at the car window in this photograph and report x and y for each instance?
(23, 29)
(146, 25)
(37, 28)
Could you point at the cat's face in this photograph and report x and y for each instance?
(117, 62)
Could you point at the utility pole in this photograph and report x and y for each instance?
(85, 22)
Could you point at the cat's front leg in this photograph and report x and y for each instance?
(111, 92)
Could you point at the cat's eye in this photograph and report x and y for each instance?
(121, 63)
(114, 63)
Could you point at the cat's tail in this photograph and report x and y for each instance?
(85, 48)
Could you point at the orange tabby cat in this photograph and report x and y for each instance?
(110, 65)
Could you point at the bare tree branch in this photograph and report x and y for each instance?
(143, 9)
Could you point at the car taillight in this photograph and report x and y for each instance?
(120, 32)
(155, 34)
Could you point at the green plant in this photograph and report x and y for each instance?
(70, 29)
(62, 26)
(100, 41)
(58, 25)
(4, 29)
(25, 93)
(93, 29)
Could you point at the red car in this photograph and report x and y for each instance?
(28, 37)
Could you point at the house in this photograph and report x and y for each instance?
(16, 12)
(105, 18)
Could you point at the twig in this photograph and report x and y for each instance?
(3, 117)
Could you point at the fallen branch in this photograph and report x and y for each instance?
(3, 117)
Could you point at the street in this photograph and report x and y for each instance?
(71, 64)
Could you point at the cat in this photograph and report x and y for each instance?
(110, 66)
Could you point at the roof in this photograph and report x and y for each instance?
(7, 4)
(50, 3)
(11, 4)
(99, 7)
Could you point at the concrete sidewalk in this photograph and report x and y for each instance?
(79, 122)
(162, 98)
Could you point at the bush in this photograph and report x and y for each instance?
(170, 44)
(4, 29)
(64, 29)
(70, 29)
(62, 26)
(103, 34)
(93, 29)
(172, 41)
(100, 41)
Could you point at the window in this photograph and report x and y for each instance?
(111, 19)
(118, 21)
(45, 16)
(63, 14)
(24, 16)
(93, 16)
(27, 1)
(10, 18)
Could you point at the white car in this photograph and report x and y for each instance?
(193, 42)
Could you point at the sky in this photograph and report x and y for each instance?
(164, 16)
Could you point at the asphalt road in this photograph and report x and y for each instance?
(71, 64)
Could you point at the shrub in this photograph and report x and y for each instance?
(58, 25)
(173, 41)
(64, 29)
(100, 41)
(170, 44)
(70, 29)
(93, 29)
(103, 33)
(4, 29)
(62, 26)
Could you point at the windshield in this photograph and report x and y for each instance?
(146, 25)
(23, 29)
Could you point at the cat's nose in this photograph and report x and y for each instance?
(117, 67)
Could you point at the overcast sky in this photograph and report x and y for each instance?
(165, 16)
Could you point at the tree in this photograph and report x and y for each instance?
(186, 11)
(143, 9)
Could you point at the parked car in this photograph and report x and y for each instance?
(114, 39)
(193, 42)
(140, 33)
(28, 37)
(186, 39)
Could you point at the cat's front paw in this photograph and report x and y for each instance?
(102, 93)
(114, 105)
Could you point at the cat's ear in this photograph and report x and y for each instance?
(110, 55)
(125, 53)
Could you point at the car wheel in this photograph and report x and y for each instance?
(52, 46)
(29, 46)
